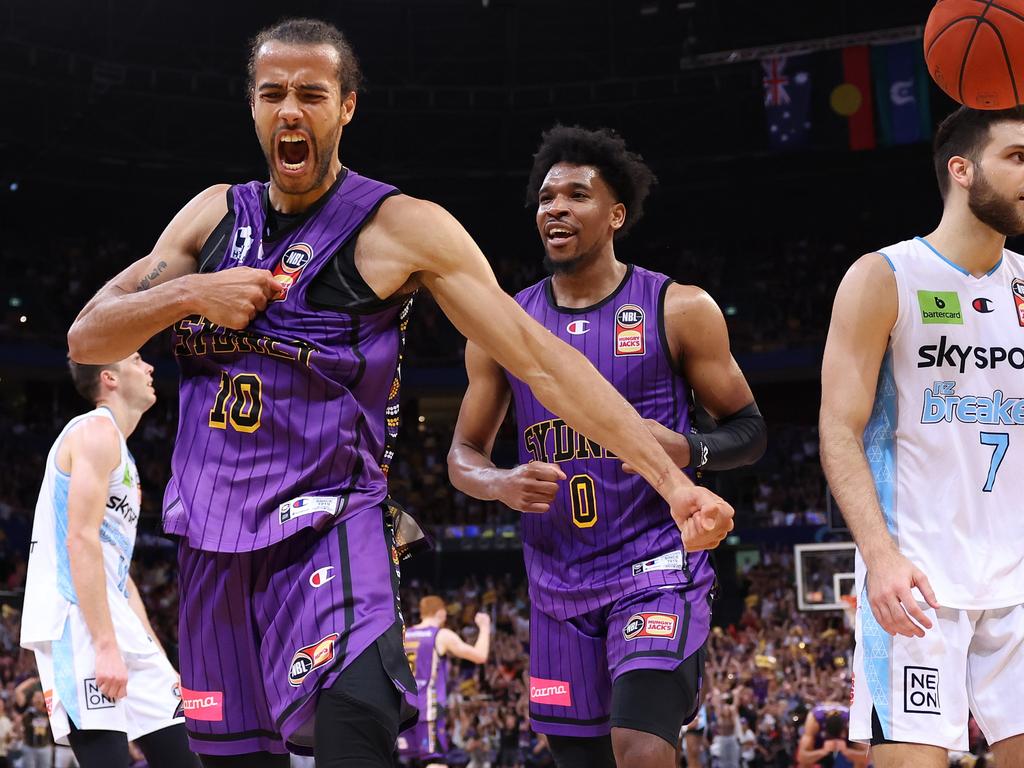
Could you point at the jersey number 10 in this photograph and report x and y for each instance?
(245, 393)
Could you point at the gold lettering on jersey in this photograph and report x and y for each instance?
(196, 336)
(565, 443)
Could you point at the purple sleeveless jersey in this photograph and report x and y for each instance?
(608, 534)
(288, 423)
(428, 738)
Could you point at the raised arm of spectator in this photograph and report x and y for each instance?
(451, 644)
(161, 288)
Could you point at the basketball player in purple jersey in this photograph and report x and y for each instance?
(428, 645)
(288, 301)
(620, 611)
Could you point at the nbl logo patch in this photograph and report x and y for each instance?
(1017, 287)
(289, 268)
(311, 657)
(629, 330)
(660, 625)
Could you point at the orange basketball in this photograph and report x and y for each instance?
(975, 51)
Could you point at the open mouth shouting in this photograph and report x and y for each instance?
(293, 151)
(558, 233)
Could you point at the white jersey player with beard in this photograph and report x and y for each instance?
(922, 440)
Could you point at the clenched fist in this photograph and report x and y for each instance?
(233, 297)
(530, 487)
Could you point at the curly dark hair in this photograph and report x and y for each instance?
(624, 171)
(309, 32)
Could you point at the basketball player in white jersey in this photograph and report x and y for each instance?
(922, 441)
(106, 679)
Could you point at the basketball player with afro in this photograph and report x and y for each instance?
(620, 611)
(922, 441)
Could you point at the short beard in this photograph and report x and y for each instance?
(561, 267)
(1002, 215)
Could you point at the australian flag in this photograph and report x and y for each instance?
(787, 100)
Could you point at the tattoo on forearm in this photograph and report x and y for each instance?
(147, 281)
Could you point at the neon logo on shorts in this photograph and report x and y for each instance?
(553, 692)
(660, 625)
(202, 705)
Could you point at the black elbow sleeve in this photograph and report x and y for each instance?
(738, 440)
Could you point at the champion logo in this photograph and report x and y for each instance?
(982, 305)
(578, 327)
(321, 576)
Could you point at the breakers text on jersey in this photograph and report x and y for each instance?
(942, 404)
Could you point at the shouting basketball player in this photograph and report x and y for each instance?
(919, 440)
(620, 612)
(288, 301)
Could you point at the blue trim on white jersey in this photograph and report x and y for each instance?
(954, 265)
(65, 585)
(64, 675)
(880, 442)
(880, 449)
(885, 256)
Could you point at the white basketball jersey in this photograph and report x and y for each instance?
(49, 589)
(945, 441)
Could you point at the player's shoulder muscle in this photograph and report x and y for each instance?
(177, 249)
(867, 301)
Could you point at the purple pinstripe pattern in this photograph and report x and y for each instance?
(245, 617)
(587, 653)
(574, 569)
(325, 378)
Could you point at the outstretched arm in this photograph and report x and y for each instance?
(161, 288)
(421, 239)
(863, 316)
(529, 487)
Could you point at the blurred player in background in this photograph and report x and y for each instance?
(106, 680)
(428, 646)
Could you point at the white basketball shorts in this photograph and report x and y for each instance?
(921, 688)
(67, 672)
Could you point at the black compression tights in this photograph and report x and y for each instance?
(166, 748)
